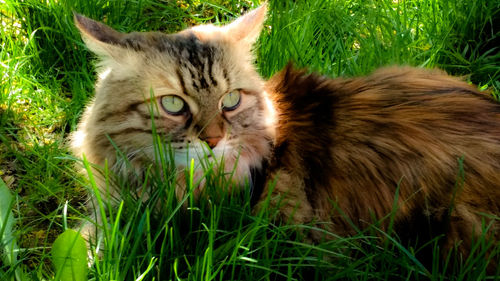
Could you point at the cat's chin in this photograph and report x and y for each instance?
(226, 166)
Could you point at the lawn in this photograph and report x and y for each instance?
(47, 76)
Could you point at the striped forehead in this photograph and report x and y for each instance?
(196, 61)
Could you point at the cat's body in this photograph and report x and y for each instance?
(347, 150)
(358, 144)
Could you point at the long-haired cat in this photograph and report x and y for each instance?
(344, 152)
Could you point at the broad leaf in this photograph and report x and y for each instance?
(8, 245)
(69, 255)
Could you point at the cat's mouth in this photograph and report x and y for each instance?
(226, 159)
(199, 153)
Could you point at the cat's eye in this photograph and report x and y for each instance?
(231, 100)
(173, 104)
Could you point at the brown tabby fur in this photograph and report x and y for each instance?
(352, 144)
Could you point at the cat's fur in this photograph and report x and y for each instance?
(398, 136)
(354, 145)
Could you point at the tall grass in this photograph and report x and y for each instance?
(354, 37)
(47, 77)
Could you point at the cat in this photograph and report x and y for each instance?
(337, 152)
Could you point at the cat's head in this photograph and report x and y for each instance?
(197, 86)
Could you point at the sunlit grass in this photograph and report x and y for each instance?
(47, 76)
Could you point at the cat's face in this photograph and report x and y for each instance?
(197, 86)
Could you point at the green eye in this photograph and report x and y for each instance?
(173, 104)
(231, 101)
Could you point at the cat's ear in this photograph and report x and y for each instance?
(247, 28)
(99, 38)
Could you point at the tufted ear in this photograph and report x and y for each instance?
(247, 28)
(99, 38)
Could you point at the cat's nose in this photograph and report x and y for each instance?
(212, 141)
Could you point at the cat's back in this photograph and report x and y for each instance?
(357, 140)
(392, 100)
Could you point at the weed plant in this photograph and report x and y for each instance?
(47, 76)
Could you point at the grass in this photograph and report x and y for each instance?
(47, 77)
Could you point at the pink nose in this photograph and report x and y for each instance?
(212, 141)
